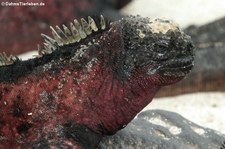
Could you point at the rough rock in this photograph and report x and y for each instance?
(209, 71)
(21, 25)
(158, 129)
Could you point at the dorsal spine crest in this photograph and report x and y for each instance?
(7, 60)
(66, 36)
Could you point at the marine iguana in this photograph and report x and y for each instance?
(89, 80)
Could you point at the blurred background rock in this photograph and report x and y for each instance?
(184, 12)
(21, 25)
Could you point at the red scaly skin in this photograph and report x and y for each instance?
(41, 108)
(47, 100)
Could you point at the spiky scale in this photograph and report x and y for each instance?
(75, 33)
(102, 22)
(50, 47)
(80, 29)
(49, 42)
(52, 41)
(3, 57)
(92, 24)
(72, 35)
(68, 34)
(56, 37)
(86, 27)
(7, 60)
(64, 38)
(43, 50)
(47, 49)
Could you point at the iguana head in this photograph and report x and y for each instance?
(157, 48)
(130, 60)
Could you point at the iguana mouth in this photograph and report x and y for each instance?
(178, 67)
(182, 63)
(176, 63)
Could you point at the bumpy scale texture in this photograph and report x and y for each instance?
(90, 80)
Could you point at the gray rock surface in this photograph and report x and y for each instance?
(158, 129)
